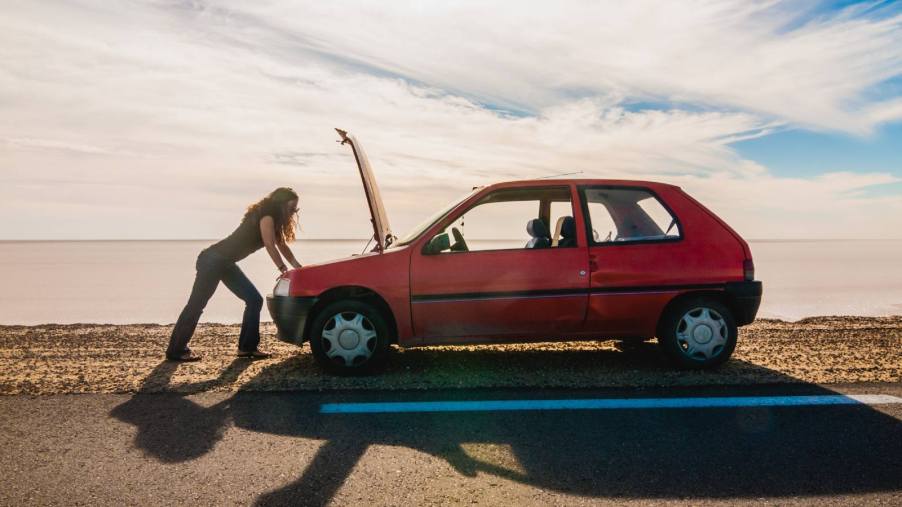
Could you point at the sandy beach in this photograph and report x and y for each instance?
(88, 358)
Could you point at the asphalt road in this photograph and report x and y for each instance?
(277, 448)
(89, 414)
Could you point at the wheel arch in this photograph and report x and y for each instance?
(717, 295)
(355, 292)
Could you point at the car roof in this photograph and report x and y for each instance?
(580, 181)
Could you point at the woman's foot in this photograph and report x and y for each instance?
(185, 357)
(254, 354)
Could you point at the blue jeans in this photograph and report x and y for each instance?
(211, 269)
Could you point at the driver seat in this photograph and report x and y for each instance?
(539, 234)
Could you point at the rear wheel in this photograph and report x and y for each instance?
(349, 337)
(698, 333)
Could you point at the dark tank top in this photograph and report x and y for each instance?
(245, 240)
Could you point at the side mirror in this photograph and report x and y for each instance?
(438, 244)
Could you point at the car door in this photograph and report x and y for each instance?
(495, 286)
(635, 256)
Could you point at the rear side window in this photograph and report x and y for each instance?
(619, 215)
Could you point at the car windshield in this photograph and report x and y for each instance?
(415, 233)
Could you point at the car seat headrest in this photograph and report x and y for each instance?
(537, 228)
(568, 228)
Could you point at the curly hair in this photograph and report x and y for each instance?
(274, 206)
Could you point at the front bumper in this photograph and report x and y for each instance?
(744, 299)
(290, 313)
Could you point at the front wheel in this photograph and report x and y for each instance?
(698, 333)
(349, 337)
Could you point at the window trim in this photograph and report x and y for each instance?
(522, 249)
(451, 217)
(587, 218)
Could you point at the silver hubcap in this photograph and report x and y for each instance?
(702, 333)
(349, 338)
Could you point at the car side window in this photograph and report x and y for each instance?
(521, 218)
(628, 214)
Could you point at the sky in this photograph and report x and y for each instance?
(164, 119)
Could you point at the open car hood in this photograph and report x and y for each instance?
(381, 229)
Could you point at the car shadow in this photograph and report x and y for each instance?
(651, 454)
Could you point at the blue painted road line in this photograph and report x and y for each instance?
(607, 404)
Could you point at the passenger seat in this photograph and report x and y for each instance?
(539, 232)
(568, 232)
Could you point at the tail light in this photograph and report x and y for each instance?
(748, 269)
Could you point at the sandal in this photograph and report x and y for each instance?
(185, 357)
(254, 354)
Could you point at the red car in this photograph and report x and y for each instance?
(525, 261)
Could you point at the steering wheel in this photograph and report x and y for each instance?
(459, 244)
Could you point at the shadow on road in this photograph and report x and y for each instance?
(698, 453)
(172, 428)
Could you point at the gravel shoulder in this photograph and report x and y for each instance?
(93, 358)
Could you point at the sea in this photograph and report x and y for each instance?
(130, 282)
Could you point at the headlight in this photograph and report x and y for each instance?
(281, 287)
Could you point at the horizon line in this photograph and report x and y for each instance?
(186, 240)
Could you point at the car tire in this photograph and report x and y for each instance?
(350, 337)
(698, 333)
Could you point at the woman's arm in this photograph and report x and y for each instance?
(283, 247)
(268, 233)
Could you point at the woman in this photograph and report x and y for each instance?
(271, 223)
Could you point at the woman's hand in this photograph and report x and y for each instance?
(289, 256)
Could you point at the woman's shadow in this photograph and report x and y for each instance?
(172, 428)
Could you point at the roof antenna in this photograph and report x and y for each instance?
(556, 175)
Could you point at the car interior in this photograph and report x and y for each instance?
(628, 215)
(564, 232)
(538, 233)
(621, 214)
(502, 209)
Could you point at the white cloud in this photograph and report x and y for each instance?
(886, 111)
(164, 119)
(734, 53)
